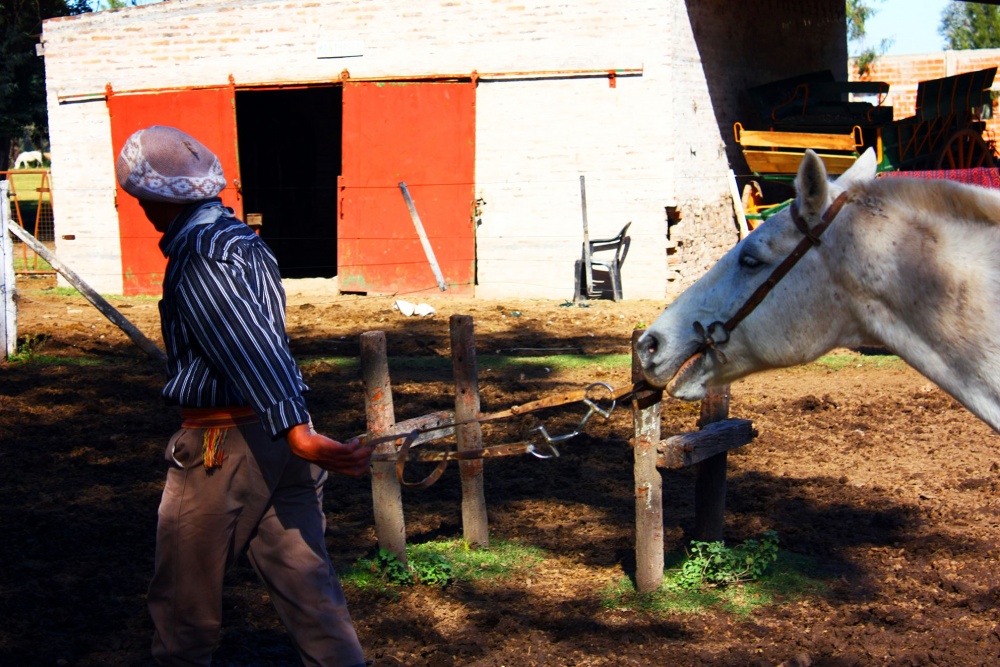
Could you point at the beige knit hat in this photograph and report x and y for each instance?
(166, 165)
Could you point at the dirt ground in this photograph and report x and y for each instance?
(888, 484)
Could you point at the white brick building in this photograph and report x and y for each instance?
(320, 108)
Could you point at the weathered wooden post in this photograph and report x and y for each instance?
(8, 316)
(387, 500)
(469, 436)
(710, 483)
(648, 482)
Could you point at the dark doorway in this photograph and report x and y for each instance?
(290, 158)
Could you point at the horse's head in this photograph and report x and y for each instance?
(710, 336)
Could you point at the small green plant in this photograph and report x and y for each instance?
(771, 577)
(28, 347)
(715, 564)
(394, 570)
(429, 569)
(435, 570)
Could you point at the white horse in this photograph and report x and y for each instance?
(28, 158)
(911, 265)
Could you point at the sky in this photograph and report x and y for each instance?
(911, 24)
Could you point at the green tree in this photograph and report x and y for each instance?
(858, 13)
(22, 71)
(970, 25)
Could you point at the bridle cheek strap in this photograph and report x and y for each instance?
(811, 234)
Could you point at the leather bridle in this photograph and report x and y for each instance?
(811, 239)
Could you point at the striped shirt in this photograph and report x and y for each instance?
(223, 320)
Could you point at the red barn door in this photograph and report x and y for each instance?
(209, 115)
(422, 134)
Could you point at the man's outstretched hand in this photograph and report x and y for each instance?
(346, 458)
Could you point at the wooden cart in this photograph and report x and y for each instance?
(946, 132)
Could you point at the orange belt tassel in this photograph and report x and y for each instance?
(216, 422)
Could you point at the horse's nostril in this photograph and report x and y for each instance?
(646, 346)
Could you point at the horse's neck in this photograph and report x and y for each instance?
(925, 288)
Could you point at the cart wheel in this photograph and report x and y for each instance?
(965, 150)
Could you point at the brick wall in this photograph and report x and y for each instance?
(650, 143)
(904, 72)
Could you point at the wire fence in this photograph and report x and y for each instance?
(30, 192)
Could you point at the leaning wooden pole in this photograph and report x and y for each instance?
(387, 500)
(99, 302)
(710, 482)
(587, 269)
(469, 436)
(424, 241)
(648, 482)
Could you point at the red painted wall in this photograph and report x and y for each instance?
(422, 134)
(207, 115)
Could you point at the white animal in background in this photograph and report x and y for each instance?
(28, 159)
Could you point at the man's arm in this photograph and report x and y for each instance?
(350, 458)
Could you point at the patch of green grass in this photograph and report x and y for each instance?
(789, 577)
(440, 563)
(71, 292)
(29, 351)
(31, 262)
(496, 362)
(52, 360)
(493, 362)
(62, 291)
(342, 363)
(837, 362)
(26, 186)
(607, 362)
(558, 361)
(501, 560)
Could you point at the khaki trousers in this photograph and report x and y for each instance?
(264, 500)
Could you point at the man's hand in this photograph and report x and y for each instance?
(351, 458)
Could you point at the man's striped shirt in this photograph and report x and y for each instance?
(223, 320)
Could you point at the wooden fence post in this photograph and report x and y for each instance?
(387, 500)
(648, 483)
(710, 483)
(469, 436)
(8, 316)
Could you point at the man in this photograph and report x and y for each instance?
(246, 468)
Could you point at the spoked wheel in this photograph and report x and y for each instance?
(965, 150)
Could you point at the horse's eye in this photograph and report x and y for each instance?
(748, 261)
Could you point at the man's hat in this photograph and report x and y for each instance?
(164, 164)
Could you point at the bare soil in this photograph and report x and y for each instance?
(880, 478)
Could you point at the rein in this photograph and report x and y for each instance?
(602, 405)
(707, 334)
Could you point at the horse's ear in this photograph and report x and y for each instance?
(811, 185)
(863, 169)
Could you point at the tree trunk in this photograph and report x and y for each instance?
(8, 146)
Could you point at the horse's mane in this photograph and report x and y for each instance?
(938, 198)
